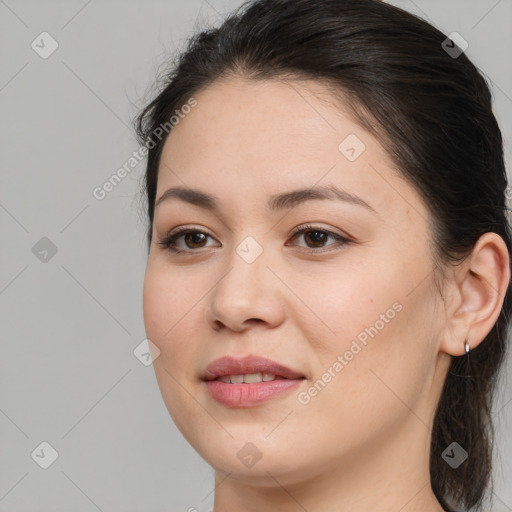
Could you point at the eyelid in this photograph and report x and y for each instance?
(311, 227)
(297, 230)
(184, 228)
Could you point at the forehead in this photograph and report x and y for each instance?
(261, 137)
(271, 115)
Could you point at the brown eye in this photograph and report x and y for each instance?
(192, 238)
(316, 238)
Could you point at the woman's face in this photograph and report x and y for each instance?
(356, 321)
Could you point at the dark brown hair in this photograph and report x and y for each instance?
(431, 112)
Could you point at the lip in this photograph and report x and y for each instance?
(229, 365)
(248, 395)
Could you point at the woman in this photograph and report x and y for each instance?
(327, 286)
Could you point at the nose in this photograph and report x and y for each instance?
(246, 293)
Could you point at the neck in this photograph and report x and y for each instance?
(387, 474)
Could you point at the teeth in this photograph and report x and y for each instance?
(248, 378)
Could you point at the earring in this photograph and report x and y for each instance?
(467, 347)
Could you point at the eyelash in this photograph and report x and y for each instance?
(169, 243)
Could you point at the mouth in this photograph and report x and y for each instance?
(249, 369)
(248, 381)
(249, 378)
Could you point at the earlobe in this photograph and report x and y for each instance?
(481, 282)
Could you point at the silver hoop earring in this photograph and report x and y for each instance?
(466, 362)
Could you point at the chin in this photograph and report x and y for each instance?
(254, 461)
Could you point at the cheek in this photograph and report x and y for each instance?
(362, 389)
(165, 302)
(167, 315)
(155, 302)
(173, 319)
(369, 334)
(339, 306)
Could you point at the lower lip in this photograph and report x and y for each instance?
(247, 395)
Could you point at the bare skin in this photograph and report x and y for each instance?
(361, 443)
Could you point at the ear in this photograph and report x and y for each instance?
(479, 289)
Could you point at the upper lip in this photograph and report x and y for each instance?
(229, 365)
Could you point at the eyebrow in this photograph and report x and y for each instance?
(275, 203)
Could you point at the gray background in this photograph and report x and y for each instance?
(69, 324)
